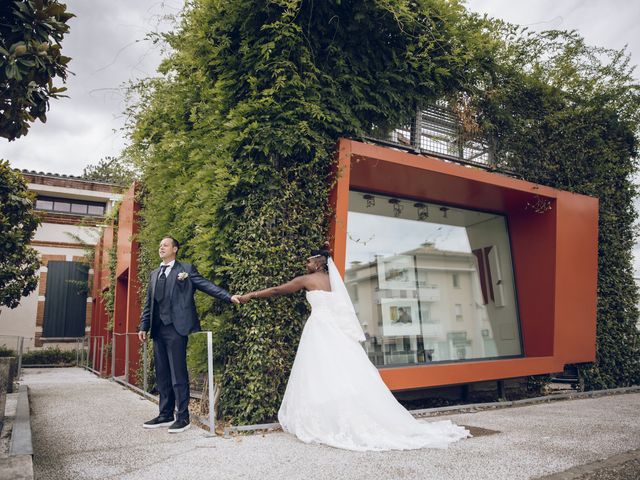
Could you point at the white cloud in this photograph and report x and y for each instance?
(611, 24)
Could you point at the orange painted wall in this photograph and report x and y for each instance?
(101, 284)
(576, 274)
(127, 299)
(127, 304)
(554, 255)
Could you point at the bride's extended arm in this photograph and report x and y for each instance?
(294, 285)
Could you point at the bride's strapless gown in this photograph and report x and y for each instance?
(335, 394)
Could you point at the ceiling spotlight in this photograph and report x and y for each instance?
(371, 200)
(423, 211)
(397, 206)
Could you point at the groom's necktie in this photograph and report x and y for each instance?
(160, 284)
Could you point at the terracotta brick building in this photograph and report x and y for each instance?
(60, 308)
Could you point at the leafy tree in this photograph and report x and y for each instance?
(111, 170)
(18, 223)
(30, 60)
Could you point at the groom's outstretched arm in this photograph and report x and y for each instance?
(204, 285)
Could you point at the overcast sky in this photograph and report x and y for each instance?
(108, 48)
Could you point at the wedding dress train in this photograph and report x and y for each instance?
(336, 396)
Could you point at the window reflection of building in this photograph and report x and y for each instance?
(429, 304)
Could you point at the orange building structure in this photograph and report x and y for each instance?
(126, 296)
(554, 254)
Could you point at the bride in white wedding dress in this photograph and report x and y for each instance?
(335, 395)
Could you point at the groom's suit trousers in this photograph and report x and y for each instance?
(172, 377)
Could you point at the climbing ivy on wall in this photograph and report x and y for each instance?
(567, 115)
(236, 143)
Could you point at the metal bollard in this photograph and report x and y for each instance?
(212, 413)
(20, 347)
(145, 375)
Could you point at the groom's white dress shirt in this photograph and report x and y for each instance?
(169, 267)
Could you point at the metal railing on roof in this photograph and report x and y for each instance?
(437, 131)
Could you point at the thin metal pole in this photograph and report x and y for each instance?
(113, 355)
(95, 351)
(20, 347)
(101, 353)
(145, 375)
(212, 413)
(126, 358)
(88, 340)
(77, 352)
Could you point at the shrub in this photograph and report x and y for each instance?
(7, 352)
(49, 356)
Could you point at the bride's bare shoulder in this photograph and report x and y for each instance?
(317, 281)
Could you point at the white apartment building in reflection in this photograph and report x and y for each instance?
(435, 313)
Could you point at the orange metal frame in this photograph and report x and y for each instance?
(126, 302)
(555, 255)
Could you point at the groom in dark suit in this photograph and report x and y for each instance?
(169, 316)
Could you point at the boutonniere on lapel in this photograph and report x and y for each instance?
(182, 276)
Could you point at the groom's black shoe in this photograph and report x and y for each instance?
(179, 426)
(158, 422)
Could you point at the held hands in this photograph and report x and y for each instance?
(238, 299)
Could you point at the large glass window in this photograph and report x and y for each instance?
(430, 283)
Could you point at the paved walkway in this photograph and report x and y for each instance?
(85, 427)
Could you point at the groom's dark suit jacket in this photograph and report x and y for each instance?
(182, 308)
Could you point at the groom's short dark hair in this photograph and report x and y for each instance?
(173, 240)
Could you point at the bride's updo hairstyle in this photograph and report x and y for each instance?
(321, 256)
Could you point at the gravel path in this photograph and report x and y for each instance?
(85, 427)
